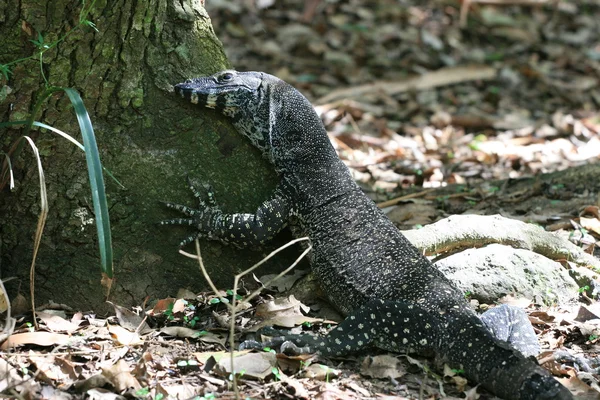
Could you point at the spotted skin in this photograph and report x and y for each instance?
(362, 261)
(510, 324)
(240, 230)
(388, 325)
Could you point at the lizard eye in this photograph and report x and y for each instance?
(225, 77)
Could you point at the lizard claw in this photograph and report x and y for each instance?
(202, 218)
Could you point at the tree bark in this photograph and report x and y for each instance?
(148, 138)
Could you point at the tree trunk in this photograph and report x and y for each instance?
(148, 138)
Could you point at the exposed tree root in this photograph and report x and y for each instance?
(465, 231)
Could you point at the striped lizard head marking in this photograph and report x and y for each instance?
(237, 95)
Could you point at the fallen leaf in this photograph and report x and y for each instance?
(382, 367)
(253, 365)
(56, 323)
(185, 294)
(181, 331)
(120, 377)
(218, 355)
(176, 391)
(52, 371)
(130, 320)
(162, 305)
(39, 338)
(3, 302)
(124, 337)
(285, 282)
(579, 389)
(103, 394)
(281, 306)
(9, 375)
(179, 306)
(320, 372)
(592, 224)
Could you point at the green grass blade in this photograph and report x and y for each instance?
(96, 181)
(64, 135)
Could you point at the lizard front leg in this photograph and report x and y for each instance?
(238, 229)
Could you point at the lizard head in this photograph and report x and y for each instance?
(236, 95)
(273, 115)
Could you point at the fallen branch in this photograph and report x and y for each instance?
(430, 80)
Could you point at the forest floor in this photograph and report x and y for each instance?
(457, 102)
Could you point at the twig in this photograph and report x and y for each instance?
(397, 200)
(233, 307)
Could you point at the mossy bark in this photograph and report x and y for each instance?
(148, 139)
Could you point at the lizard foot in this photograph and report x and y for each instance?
(205, 218)
(289, 344)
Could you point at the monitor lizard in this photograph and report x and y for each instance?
(393, 296)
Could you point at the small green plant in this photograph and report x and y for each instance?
(458, 371)
(169, 312)
(477, 141)
(468, 294)
(307, 324)
(200, 334)
(191, 321)
(327, 371)
(583, 289)
(43, 46)
(230, 293)
(240, 374)
(277, 373)
(269, 350)
(145, 391)
(593, 337)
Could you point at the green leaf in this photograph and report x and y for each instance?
(96, 181)
(5, 71)
(90, 24)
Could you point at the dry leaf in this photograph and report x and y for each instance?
(56, 323)
(320, 372)
(591, 224)
(383, 366)
(281, 306)
(130, 320)
(120, 377)
(9, 375)
(124, 337)
(39, 338)
(254, 365)
(162, 305)
(218, 355)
